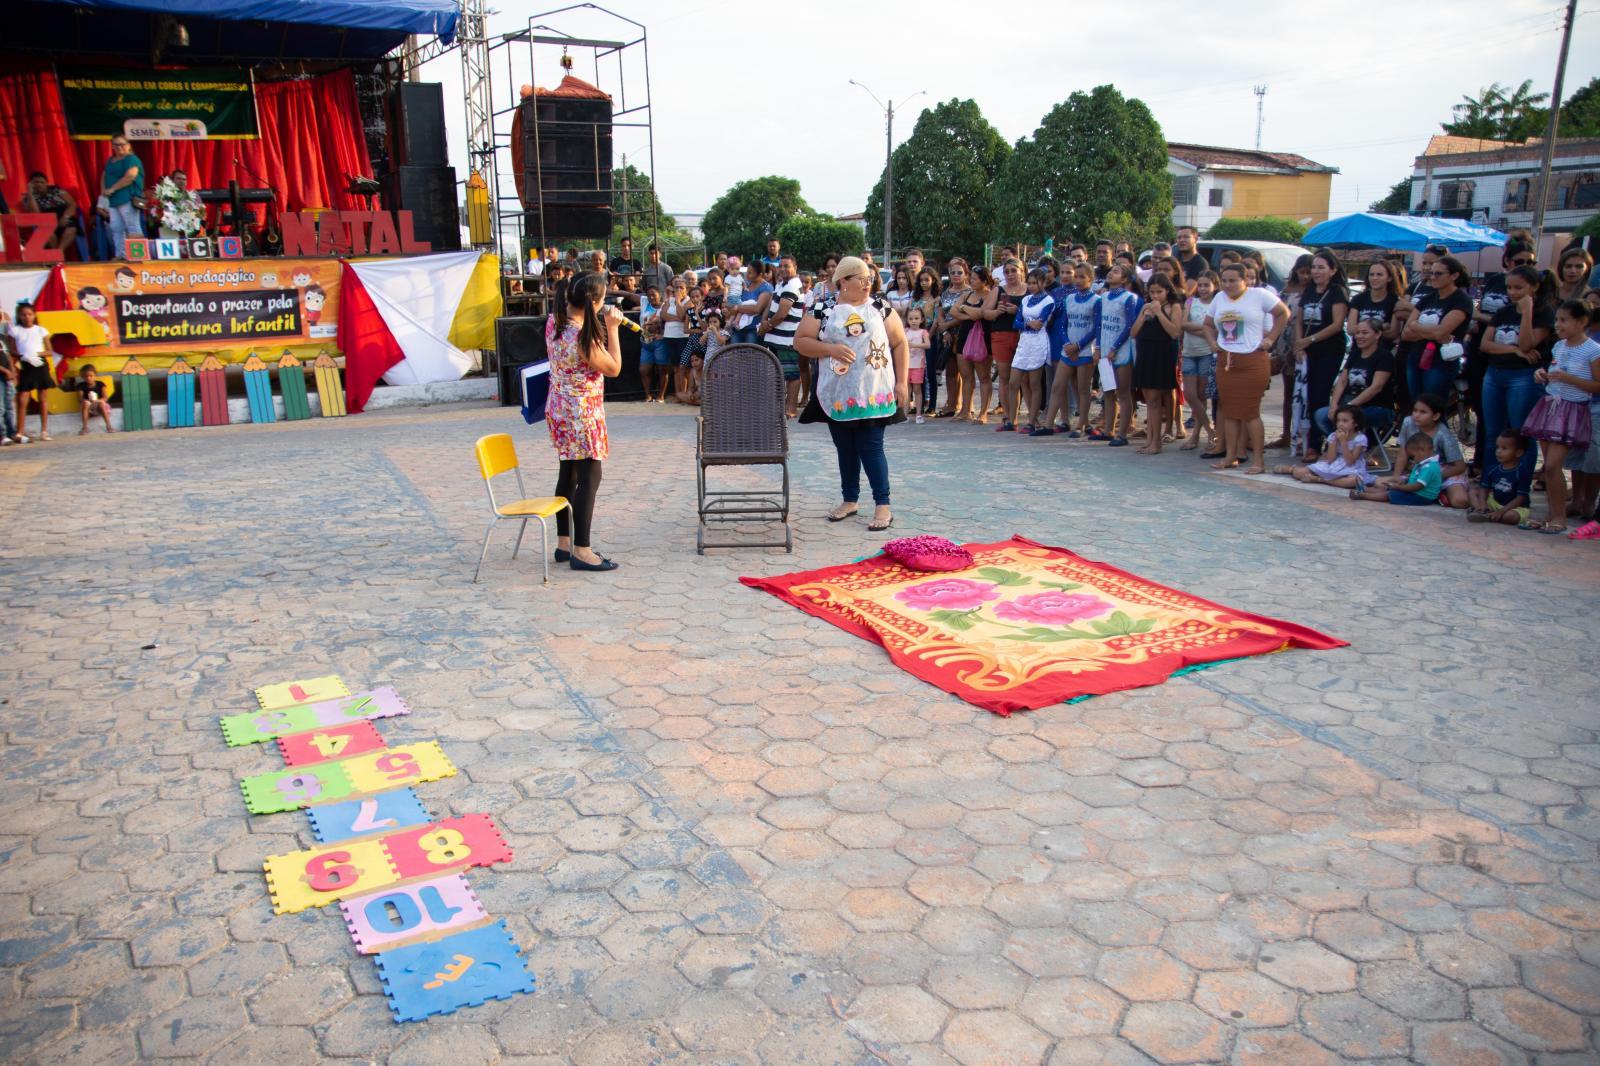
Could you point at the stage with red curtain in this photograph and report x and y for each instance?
(311, 143)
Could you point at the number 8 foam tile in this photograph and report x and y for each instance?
(315, 878)
(461, 970)
(376, 771)
(465, 840)
(310, 690)
(334, 742)
(404, 913)
(395, 809)
(257, 726)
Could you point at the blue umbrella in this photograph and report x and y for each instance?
(1405, 233)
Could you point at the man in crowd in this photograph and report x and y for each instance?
(770, 260)
(535, 264)
(657, 273)
(1102, 260)
(780, 324)
(121, 184)
(623, 262)
(1189, 258)
(571, 261)
(914, 264)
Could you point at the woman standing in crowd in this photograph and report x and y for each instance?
(1385, 289)
(862, 386)
(43, 198)
(1119, 306)
(972, 344)
(947, 330)
(582, 339)
(900, 294)
(1433, 336)
(1424, 279)
(1284, 364)
(1000, 312)
(926, 297)
(1515, 344)
(1572, 273)
(1155, 372)
(1199, 362)
(1078, 319)
(1243, 326)
(34, 368)
(1320, 337)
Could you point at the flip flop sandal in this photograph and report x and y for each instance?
(841, 517)
(1587, 531)
(1531, 526)
(1552, 530)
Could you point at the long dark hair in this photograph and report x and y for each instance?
(1299, 274)
(1336, 283)
(574, 298)
(1543, 283)
(930, 290)
(1174, 290)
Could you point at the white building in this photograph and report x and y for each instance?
(1211, 182)
(1497, 182)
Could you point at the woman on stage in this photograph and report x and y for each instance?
(860, 377)
(581, 336)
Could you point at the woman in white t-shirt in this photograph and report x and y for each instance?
(1243, 325)
(34, 367)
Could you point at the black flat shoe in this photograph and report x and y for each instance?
(562, 555)
(1212, 455)
(602, 565)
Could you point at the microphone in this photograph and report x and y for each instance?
(631, 324)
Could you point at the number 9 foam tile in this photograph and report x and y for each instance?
(296, 787)
(310, 690)
(395, 809)
(320, 876)
(461, 970)
(333, 742)
(257, 726)
(390, 917)
(376, 771)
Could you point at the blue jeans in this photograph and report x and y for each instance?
(744, 336)
(1437, 379)
(126, 221)
(1508, 396)
(860, 447)
(1378, 420)
(8, 408)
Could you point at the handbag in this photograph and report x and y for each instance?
(975, 348)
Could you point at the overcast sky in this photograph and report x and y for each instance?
(1360, 90)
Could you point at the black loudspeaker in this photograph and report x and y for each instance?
(562, 222)
(518, 341)
(417, 125)
(429, 193)
(566, 166)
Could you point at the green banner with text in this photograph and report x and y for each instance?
(158, 105)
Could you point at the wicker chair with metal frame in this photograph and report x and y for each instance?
(498, 455)
(742, 423)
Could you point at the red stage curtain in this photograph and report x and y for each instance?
(311, 141)
(370, 350)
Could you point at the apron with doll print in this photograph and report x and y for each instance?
(865, 388)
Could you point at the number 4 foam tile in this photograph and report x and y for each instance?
(461, 970)
(308, 690)
(397, 809)
(332, 742)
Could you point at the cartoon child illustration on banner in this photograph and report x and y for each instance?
(93, 301)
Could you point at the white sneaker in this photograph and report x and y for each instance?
(46, 436)
(6, 440)
(21, 439)
(920, 420)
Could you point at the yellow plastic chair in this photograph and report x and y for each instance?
(498, 455)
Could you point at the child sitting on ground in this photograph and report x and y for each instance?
(92, 400)
(917, 359)
(1427, 416)
(1420, 486)
(1504, 491)
(1344, 455)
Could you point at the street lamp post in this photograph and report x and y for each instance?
(888, 164)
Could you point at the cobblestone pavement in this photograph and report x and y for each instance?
(741, 836)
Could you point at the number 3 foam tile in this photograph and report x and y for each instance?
(333, 742)
(310, 690)
(317, 877)
(385, 919)
(461, 970)
(376, 771)
(395, 809)
(258, 726)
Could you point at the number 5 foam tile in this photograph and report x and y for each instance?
(376, 771)
(309, 690)
(257, 726)
(461, 970)
(396, 809)
(405, 913)
(320, 876)
(332, 742)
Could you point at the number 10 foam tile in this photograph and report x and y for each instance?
(333, 742)
(388, 918)
(257, 726)
(395, 809)
(310, 690)
(375, 771)
(461, 970)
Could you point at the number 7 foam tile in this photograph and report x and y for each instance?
(257, 726)
(404, 913)
(317, 877)
(309, 690)
(461, 970)
(333, 742)
(395, 809)
(376, 771)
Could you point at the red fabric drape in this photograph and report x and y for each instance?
(370, 350)
(311, 142)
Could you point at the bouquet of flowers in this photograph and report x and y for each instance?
(181, 210)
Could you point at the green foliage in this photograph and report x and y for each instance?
(809, 238)
(1589, 227)
(944, 178)
(1396, 202)
(1095, 156)
(1580, 115)
(1121, 226)
(1264, 228)
(746, 215)
(1500, 113)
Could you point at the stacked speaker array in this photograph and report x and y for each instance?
(566, 166)
(420, 178)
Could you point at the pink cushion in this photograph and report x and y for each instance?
(928, 553)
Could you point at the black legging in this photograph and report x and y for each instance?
(579, 482)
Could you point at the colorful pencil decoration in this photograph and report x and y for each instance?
(258, 390)
(180, 395)
(135, 396)
(292, 384)
(213, 392)
(330, 390)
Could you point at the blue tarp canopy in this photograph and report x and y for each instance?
(1402, 233)
(229, 30)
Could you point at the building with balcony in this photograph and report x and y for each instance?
(1497, 182)
(1209, 183)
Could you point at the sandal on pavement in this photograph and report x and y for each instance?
(875, 528)
(1587, 531)
(1531, 526)
(835, 516)
(1552, 530)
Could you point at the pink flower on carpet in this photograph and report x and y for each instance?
(956, 593)
(1052, 608)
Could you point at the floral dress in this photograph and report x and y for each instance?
(575, 411)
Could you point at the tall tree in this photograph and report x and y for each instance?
(1499, 113)
(746, 215)
(1580, 114)
(1094, 154)
(640, 201)
(809, 239)
(1396, 202)
(944, 177)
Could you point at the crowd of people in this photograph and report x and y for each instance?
(1076, 345)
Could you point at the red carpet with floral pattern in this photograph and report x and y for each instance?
(1031, 625)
